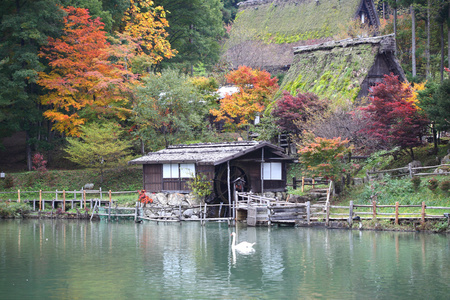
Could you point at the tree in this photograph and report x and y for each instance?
(195, 30)
(256, 89)
(82, 83)
(169, 109)
(293, 112)
(392, 118)
(325, 157)
(100, 146)
(148, 24)
(24, 28)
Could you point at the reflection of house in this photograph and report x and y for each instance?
(265, 31)
(342, 71)
(261, 165)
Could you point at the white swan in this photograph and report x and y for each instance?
(242, 247)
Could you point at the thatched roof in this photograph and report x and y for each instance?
(265, 31)
(206, 153)
(342, 71)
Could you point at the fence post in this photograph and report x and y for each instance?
(422, 221)
(40, 200)
(350, 214)
(294, 183)
(303, 183)
(396, 213)
(18, 196)
(327, 221)
(84, 197)
(64, 201)
(374, 210)
(410, 170)
(313, 183)
(308, 212)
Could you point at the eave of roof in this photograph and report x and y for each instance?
(206, 154)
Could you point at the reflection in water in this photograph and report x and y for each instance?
(79, 260)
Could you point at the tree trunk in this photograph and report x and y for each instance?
(441, 27)
(427, 50)
(413, 41)
(395, 27)
(448, 37)
(28, 151)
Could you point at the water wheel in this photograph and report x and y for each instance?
(221, 181)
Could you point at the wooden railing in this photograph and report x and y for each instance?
(410, 171)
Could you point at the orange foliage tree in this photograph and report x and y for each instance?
(83, 83)
(256, 88)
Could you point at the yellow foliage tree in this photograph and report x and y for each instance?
(147, 23)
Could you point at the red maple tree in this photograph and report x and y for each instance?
(392, 119)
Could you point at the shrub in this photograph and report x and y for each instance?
(433, 184)
(445, 185)
(416, 182)
(13, 209)
(8, 181)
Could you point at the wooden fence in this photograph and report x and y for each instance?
(410, 171)
(81, 197)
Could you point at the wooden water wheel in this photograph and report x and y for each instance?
(221, 181)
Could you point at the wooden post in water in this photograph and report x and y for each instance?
(327, 220)
(350, 214)
(40, 200)
(308, 212)
(374, 210)
(396, 213)
(110, 204)
(18, 196)
(422, 221)
(64, 201)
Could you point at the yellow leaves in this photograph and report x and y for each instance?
(417, 87)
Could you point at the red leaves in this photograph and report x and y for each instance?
(391, 118)
(143, 198)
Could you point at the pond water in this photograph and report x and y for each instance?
(61, 259)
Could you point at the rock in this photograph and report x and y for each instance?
(446, 160)
(188, 213)
(159, 198)
(88, 186)
(175, 199)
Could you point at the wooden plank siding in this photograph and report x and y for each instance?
(154, 181)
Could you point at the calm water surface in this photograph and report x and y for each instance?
(44, 259)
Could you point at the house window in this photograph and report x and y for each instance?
(178, 170)
(271, 171)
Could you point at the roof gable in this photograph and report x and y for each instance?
(206, 153)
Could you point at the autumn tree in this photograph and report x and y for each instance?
(256, 89)
(293, 112)
(82, 83)
(324, 157)
(100, 146)
(392, 118)
(147, 23)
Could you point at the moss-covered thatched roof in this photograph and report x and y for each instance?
(342, 71)
(265, 31)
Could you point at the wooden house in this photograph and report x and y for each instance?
(259, 167)
(265, 31)
(342, 71)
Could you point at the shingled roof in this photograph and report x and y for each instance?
(205, 153)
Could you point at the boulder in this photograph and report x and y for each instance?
(159, 198)
(175, 199)
(446, 160)
(188, 213)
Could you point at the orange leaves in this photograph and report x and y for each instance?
(256, 88)
(82, 76)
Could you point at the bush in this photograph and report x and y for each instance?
(416, 182)
(13, 209)
(8, 181)
(445, 185)
(433, 184)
